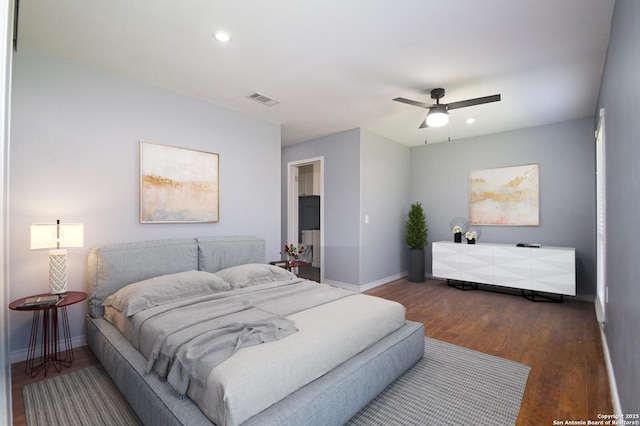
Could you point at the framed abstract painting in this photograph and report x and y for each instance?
(507, 196)
(178, 185)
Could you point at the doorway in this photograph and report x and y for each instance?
(305, 214)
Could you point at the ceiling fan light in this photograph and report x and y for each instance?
(437, 116)
(222, 37)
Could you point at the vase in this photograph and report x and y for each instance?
(416, 265)
(457, 237)
(471, 241)
(291, 260)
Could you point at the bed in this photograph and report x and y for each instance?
(328, 352)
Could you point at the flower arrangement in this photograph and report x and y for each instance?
(292, 251)
(458, 225)
(471, 235)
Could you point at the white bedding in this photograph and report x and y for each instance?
(256, 377)
(328, 335)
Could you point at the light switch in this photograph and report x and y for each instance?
(366, 219)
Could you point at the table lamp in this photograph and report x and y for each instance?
(56, 236)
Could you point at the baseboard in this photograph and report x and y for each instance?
(613, 387)
(21, 355)
(583, 298)
(346, 286)
(365, 287)
(383, 281)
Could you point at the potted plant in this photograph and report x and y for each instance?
(416, 239)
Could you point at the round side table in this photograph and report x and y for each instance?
(53, 352)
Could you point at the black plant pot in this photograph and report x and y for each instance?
(471, 241)
(416, 265)
(457, 237)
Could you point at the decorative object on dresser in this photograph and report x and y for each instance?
(472, 234)
(538, 272)
(416, 239)
(459, 226)
(57, 236)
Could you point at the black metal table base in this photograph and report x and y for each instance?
(532, 295)
(53, 353)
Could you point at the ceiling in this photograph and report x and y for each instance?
(336, 65)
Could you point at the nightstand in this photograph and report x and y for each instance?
(53, 352)
(291, 266)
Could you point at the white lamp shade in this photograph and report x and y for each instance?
(437, 117)
(45, 235)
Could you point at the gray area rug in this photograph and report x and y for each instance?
(84, 397)
(450, 385)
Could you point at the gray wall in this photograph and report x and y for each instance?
(384, 189)
(620, 96)
(75, 157)
(363, 174)
(566, 155)
(341, 152)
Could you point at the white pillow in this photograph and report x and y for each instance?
(253, 273)
(157, 291)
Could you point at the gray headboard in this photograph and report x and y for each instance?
(114, 266)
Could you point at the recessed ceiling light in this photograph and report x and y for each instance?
(470, 120)
(223, 37)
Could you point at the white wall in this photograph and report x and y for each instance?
(75, 157)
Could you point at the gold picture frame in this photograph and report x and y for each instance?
(178, 185)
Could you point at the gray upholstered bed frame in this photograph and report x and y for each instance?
(329, 400)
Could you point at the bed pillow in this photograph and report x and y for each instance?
(253, 273)
(157, 291)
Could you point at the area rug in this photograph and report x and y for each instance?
(81, 398)
(450, 385)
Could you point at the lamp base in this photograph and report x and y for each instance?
(58, 271)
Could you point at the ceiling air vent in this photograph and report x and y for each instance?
(264, 100)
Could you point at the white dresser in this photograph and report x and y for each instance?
(544, 269)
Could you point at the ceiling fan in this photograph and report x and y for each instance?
(438, 114)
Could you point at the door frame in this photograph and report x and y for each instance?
(292, 204)
(601, 298)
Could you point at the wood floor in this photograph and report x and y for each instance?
(561, 342)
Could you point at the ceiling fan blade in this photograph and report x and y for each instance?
(471, 102)
(414, 103)
(424, 124)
